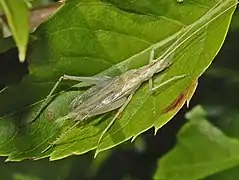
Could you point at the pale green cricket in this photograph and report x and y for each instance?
(111, 93)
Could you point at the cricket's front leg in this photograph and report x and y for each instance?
(151, 58)
(175, 78)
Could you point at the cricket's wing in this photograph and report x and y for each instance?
(90, 93)
(107, 108)
(104, 97)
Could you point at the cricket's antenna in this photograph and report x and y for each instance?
(174, 46)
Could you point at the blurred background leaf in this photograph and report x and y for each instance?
(21, 21)
(17, 16)
(201, 150)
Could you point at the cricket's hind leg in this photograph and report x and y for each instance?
(89, 80)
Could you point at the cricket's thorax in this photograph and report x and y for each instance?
(129, 83)
(156, 66)
(146, 72)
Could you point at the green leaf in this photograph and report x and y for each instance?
(201, 150)
(17, 17)
(231, 174)
(85, 38)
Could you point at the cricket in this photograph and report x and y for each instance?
(112, 93)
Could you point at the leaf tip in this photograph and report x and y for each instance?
(155, 130)
(133, 138)
(96, 153)
(8, 159)
(191, 90)
(22, 53)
